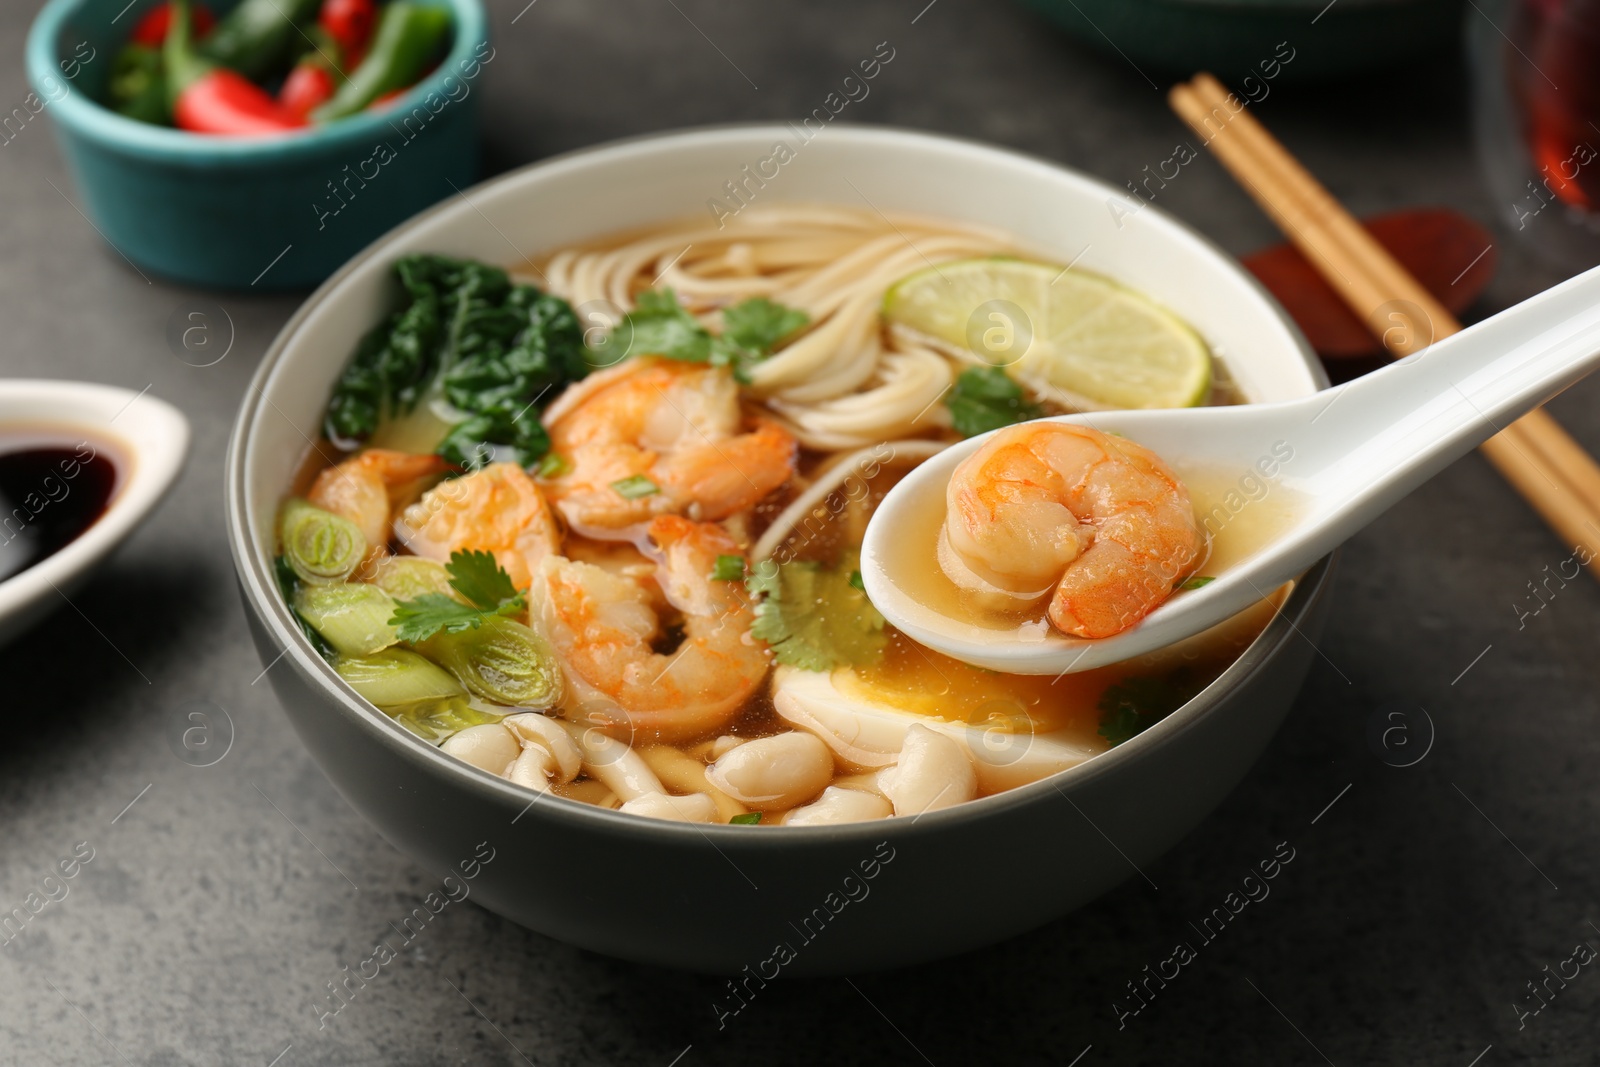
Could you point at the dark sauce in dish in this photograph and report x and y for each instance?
(54, 485)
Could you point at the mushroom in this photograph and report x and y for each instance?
(933, 772)
(548, 752)
(837, 805)
(774, 773)
(489, 746)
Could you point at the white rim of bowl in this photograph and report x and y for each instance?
(252, 563)
(153, 439)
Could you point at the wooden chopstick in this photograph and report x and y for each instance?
(1538, 457)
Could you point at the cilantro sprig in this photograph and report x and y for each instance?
(986, 398)
(484, 587)
(1131, 706)
(815, 617)
(751, 329)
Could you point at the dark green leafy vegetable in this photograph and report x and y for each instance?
(728, 569)
(986, 398)
(749, 818)
(635, 487)
(496, 350)
(813, 617)
(1132, 705)
(659, 326)
(289, 586)
(485, 587)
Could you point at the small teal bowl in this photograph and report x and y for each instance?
(232, 213)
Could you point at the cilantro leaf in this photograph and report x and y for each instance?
(421, 617)
(759, 323)
(813, 617)
(986, 398)
(1130, 706)
(659, 326)
(478, 578)
(484, 587)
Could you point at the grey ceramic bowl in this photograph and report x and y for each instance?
(796, 900)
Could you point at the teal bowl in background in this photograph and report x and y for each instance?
(1236, 39)
(236, 212)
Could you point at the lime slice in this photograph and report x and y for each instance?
(1070, 329)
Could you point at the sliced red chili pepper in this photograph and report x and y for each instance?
(349, 22)
(225, 101)
(151, 29)
(207, 98)
(386, 100)
(307, 86)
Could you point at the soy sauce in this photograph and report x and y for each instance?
(54, 485)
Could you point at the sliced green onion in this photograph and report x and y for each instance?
(552, 466)
(749, 818)
(1198, 581)
(502, 661)
(856, 582)
(405, 577)
(320, 546)
(352, 617)
(635, 487)
(397, 677)
(728, 569)
(435, 720)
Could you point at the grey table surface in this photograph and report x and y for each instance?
(220, 900)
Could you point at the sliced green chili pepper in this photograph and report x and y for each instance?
(409, 37)
(137, 87)
(256, 37)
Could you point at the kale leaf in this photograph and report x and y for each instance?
(496, 349)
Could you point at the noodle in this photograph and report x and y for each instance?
(843, 383)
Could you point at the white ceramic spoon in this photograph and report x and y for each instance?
(1357, 449)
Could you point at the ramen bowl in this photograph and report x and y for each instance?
(795, 900)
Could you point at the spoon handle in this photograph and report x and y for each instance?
(1386, 433)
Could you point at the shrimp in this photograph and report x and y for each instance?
(1098, 518)
(604, 630)
(498, 510)
(366, 488)
(669, 429)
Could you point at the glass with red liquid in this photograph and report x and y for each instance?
(1536, 82)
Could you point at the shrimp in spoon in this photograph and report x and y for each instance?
(1097, 523)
